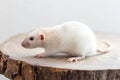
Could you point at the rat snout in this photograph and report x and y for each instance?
(25, 44)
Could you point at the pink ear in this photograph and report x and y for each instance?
(42, 37)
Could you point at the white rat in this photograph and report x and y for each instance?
(72, 38)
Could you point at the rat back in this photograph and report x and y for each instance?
(77, 38)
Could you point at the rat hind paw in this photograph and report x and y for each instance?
(75, 59)
(41, 55)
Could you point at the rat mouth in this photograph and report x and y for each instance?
(25, 44)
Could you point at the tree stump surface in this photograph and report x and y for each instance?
(18, 63)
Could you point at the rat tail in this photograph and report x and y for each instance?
(108, 48)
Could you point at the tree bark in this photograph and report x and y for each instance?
(18, 63)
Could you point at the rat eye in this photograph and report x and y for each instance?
(31, 38)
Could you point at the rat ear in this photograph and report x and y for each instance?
(42, 37)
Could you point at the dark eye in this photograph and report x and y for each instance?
(31, 38)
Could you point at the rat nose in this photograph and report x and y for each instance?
(25, 44)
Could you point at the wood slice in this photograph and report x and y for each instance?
(18, 63)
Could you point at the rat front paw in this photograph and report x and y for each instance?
(41, 55)
(75, 59)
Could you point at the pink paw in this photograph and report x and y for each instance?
(41, 55)
(75, 59)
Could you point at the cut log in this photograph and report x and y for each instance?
(18, 63)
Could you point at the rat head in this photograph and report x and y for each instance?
(34, 39)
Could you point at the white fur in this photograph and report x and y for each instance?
(72, 38)
(77, 39)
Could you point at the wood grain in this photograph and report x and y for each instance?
(18, 63)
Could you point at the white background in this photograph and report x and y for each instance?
(17, 16)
